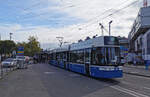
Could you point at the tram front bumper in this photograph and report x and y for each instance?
(106, 71)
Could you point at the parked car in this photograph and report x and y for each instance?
(22, 62)
(9, 63)
(25, 58)
(20, 58)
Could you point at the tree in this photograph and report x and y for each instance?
(87, 38)
(7, 46)
(31, 47)
(34, 45)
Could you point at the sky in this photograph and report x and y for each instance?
(71, 19)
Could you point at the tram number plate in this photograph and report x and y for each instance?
(107, 68)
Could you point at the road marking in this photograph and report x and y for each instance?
(49, 72)
(143, 77)
(126, 83)
(29, 65)
(134, 72)
(147, 88)
(138, 85)
(74, 75)
(139, 76)
(130, 92)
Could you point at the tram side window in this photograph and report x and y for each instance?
(64, 56)
(80, 56)
(61, 56)
(57, 56)
(77, 56)
(87, 55)
(51, 57)
(98, 57)
(73, 56)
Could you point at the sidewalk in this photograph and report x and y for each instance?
(136, 70)
(5, 71)
(23, 83)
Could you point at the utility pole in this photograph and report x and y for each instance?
(60, 39)
(102, 28)
(110, 27)
(145, 3)
(10, 35)
(0, 37)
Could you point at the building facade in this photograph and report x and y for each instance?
(139, 36)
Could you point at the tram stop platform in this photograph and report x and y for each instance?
(136, 70)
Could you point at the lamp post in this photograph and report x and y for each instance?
(110, 27)
(60, 39)
(0, 36)
(102, 27)
(11, 35)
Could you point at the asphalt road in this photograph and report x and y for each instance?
(43, 80)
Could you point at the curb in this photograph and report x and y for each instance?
(137, 74)
(135, 67)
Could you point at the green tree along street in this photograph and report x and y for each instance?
(7, 46)
(31, 47)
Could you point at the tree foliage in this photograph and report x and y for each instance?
(7, 46)
(31, 47)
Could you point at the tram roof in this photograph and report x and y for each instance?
(61, 49)
(94, 42)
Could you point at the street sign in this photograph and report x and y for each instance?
(20, 50)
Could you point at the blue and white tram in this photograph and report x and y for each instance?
(59, 57)
(98, 57)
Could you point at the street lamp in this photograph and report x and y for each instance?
(60, 39)
(102, 27)
(11, 35)
(110, 27)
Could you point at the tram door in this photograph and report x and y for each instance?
(65, 59)
(87, 57)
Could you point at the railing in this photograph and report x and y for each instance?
(5, 70)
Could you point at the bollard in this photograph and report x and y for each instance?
(147, 65)
(1, 71)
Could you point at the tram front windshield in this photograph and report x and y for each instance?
(106, 56)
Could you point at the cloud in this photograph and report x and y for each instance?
(130, 19)
(72, 19)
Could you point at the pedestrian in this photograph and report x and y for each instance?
(134, 62)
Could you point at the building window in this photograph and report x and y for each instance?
(148, 43)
